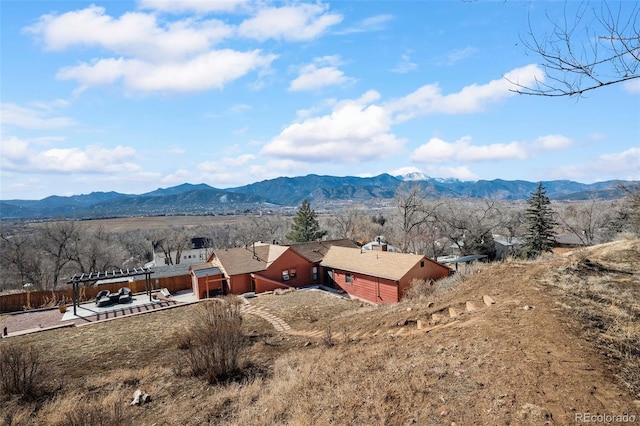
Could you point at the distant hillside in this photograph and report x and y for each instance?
(291, 191)
(286, 191)
(183, 199)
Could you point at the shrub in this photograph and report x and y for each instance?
(216, 340)
(418, 289)
(19, 369)
(327, 339)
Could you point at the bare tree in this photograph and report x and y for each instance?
(138, 245)
(469, 224)
(586, 220)
(56, 240)
(21, 261)
(170, 241)
(628, 214)
(512, 219)
(346, 222)
(96, 250)
(589, 47)
(413, 217)
(267, 228)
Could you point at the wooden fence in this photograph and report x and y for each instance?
(42, 299)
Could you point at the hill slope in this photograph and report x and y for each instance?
(559, 341)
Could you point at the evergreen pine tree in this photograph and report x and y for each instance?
(305, 226)
(540, 219)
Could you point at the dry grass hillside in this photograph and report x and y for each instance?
(561, 339)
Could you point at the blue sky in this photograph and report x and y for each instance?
(132, 96)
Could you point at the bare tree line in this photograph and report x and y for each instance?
(418, 222)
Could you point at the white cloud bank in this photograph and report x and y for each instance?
(197, 6)
(356, 130)
(298, 22)
(429, 99)
(616, 165)
(27, 156)
(148, 54)
(437, 150)
(212, 70)
(361, 129)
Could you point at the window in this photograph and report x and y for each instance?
(292, 273)
(315, 273)
(347, 278)
(422, 263)
(285, 275)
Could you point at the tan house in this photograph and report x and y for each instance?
(379, 276)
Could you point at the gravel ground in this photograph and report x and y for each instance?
(31, 320)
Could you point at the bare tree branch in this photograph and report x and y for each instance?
(587, 48)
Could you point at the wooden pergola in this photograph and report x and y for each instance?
(84, 278)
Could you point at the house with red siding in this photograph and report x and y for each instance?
(378, 276)
(207, 280)
(314, 252)
(261, 267)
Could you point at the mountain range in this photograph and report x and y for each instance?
(287, 192)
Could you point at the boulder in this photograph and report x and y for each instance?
(140, 397)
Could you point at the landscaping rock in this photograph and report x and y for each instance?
(140, 397)
(488, 300)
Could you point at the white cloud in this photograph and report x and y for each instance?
(316, 76)
(41, 117)
(294, 23)
(405, 65)
(440, 151)
(461, 172)
(360, 130)
(224, 173)
(372, 23)
(356, 130)
(405, 171)
(198, 6)
(458, 55)
(152, 54)
(277, 167)
(179, 176)
(430, 100)
(133, 34)
(212, 70)
(26, 157)
(616, 165)
(553, 142)
(632, 86)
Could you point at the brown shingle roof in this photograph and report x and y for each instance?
(383, 264)
(314, 251)
(241, 260)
